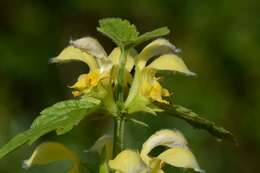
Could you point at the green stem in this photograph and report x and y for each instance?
(121, 76)
(119, 124)
(119, 120)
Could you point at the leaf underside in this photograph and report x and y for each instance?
(198, 122)
(61, 117)
(120, 31)
(152, 34)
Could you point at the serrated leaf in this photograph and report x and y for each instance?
(120, 31)
(152, 34)
(198, 122)
(123, 33)
(60, 117)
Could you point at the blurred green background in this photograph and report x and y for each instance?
(220, 41)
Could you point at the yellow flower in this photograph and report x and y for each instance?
(178, 155)
(145, 85)
(90, 51)
(151, 88)
(127, 161)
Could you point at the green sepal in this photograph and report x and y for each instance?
(142, 104)
(197, 121)
(61, 117)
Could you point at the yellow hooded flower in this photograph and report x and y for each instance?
(90, 51)
(151, 88)
(145, 84)
(178, 155)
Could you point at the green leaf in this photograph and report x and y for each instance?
(50, 152)
(120, 31)
(152, 34)
(198, 122)
(61, 117)
(123, 33)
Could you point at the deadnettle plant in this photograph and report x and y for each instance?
(118, 84)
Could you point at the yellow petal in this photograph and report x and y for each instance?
(86, 81)
(76, 93)
(151, 88)
(91, 46)
(155, 48)
(180, 157)
(157, 92)
(72, 53)
(127, 161)
(81, 82)
(147, 80)
(170, 62)
(165, 93)
(156, 165)
(169, 138)
(104, 141)
(51, 151)
(115, 58)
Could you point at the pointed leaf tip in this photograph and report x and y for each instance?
(198, 122)
(61, 117)
(152, 35)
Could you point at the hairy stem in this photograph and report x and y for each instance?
(119, 124)
(119, 120)
(121, 76)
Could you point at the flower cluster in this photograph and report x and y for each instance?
(178, 155)
(143, 86)
(118, 84)
(128, 161)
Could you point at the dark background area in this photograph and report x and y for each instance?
(220, 41)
